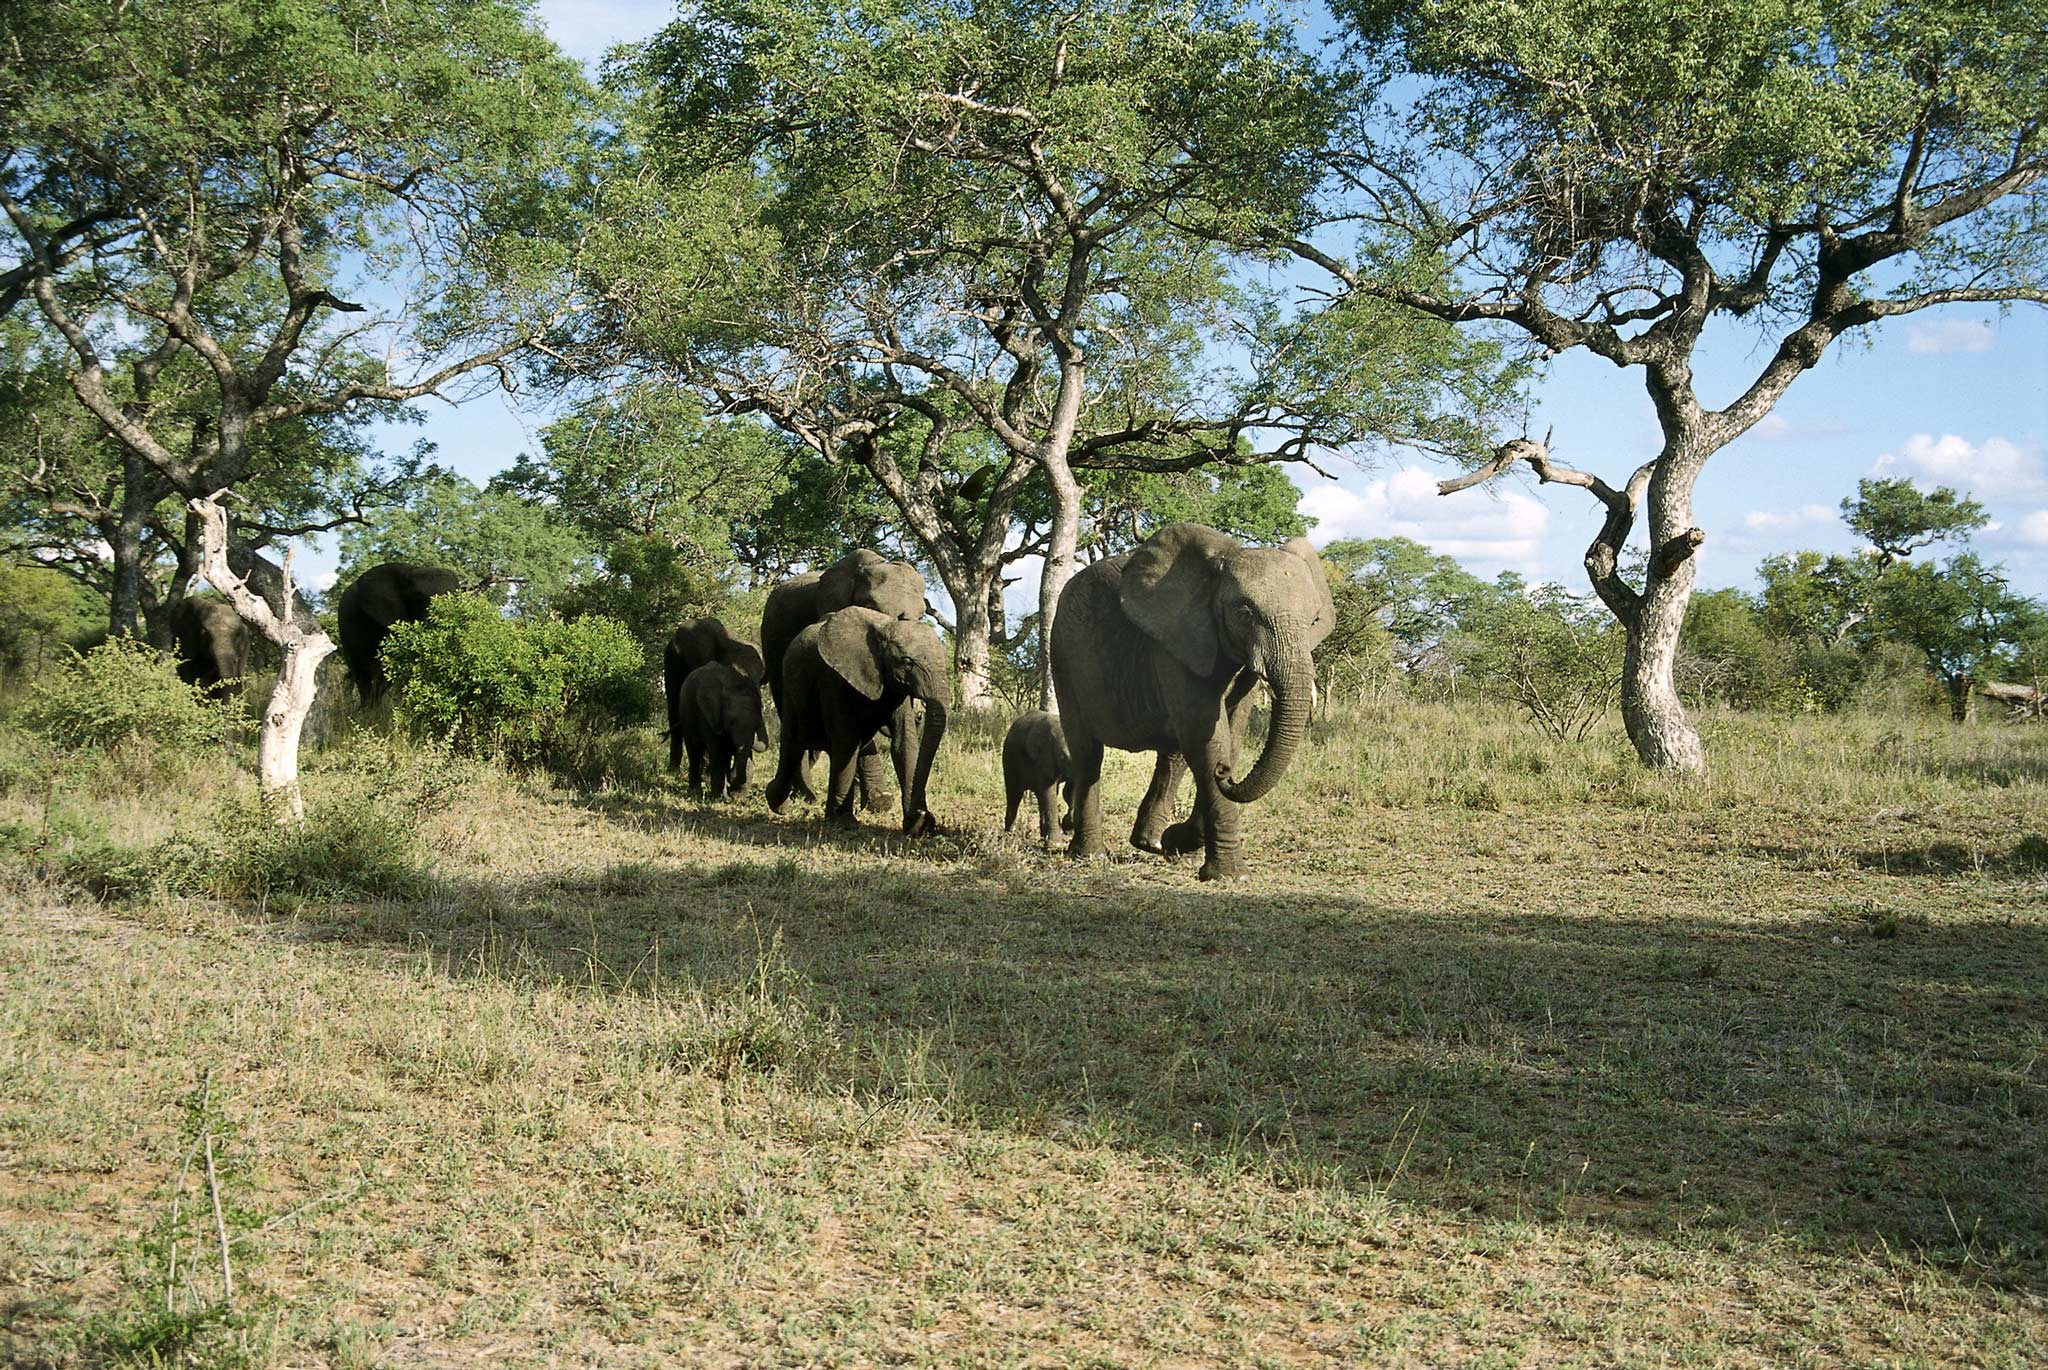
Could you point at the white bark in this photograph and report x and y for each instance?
(291, 700)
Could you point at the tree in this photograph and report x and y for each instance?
(1726, 653)
(499, 542)
(42, 611)
(1962, 618)
(1006, 220)
(1419, 596)
(1897, 519)
(1556, 655)
(1255, 504)
(1620, 178)
(429, 146)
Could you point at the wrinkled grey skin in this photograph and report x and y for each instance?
(700, 642)
(860, 579)
(390, 593)
(1035, 761)
(717, 718)
(210, 643)
(1160, 651)
(843, 680)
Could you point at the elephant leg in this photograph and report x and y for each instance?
(803, 776)
(696, 768)
(789, 775)
(1216, 816)
(839, 803)
(873, 775)
(721, 763)
(1087, 755)
(1048, 810)
(1155, 811)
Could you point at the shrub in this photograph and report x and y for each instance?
(529, 692)
(1556, 655)
(120, 696)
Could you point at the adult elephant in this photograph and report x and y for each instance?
(705, 642)
(861, 579)
(209, 641)
(387, 594)
(843, 680)
(1159, 651)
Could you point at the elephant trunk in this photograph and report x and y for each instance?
(927, 748)
(1291, 694)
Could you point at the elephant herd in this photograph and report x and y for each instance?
(1159, 650)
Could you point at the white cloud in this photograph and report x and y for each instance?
(324, 581)
(1940, 337)
(1488, 531)
(2033, 530)
(1993, 469)
(1788, 520)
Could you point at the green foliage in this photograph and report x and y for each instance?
(529, 692)
(1896, 518)
(121, 697)
(1556, 655)
(1728, 656)
(491, 537)
(1961, 617)
(649, 585)
(1418, 596)
(43, 612)
(1255, 504)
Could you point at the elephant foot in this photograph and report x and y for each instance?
(778, 795)
(920, 824)
(1147, 842)
(1212, 870)
(878, 803)
(1181, 839)
(843, 818)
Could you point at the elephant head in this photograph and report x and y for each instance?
(869, 580)
(1219, 607)
(875, 655)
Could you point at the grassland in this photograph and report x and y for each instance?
(1509, 1053)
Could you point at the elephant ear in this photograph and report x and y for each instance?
(844, 641)
(1169, 590)
(1326, 603)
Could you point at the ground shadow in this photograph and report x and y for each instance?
(1848, 1083)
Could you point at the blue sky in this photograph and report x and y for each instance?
(1952, 397)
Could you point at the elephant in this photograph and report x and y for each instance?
(1035, 760)
(845, 678)
(210, 642)
(700, 642)
(717, 716)
(389, 593)
(1159, 650)
(860, 579)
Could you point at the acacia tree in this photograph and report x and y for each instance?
(424, 145)
(999, 218)
(1619, 178)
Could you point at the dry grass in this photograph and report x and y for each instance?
(1508, 1054)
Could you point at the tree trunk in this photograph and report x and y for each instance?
(139, 491)
(1060, 544)
(1962, 701)
(1651, 710)
(971, 635)
(291, 700)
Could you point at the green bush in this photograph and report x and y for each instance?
(120, 696)
(1555, 654)
(529, 692)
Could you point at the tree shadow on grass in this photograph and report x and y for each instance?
(1826, 1079)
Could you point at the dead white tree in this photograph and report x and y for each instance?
(304, 646)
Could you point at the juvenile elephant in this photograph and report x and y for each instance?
(717, 717)
(860, 579)
(1160, 650)
(700, 642)
(843, 680)
(390, 593)
(209, 641)
(1035, 761)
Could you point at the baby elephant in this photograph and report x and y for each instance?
(719, 719)
(1034, 760)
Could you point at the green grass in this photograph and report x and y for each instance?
(1508, 1052)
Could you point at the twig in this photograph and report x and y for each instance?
(220, 1226)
